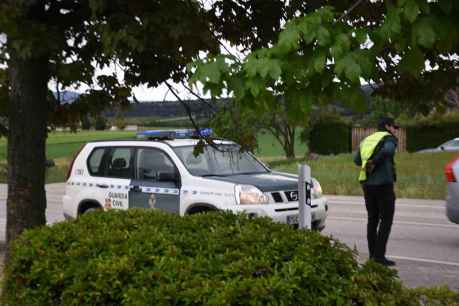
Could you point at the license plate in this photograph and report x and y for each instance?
(294, 219)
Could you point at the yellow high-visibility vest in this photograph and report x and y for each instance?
(367, 147)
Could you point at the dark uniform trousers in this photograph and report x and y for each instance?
(380, 204)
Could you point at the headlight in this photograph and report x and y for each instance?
(316, 191)
(248, 194)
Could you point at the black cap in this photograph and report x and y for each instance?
(383, 121)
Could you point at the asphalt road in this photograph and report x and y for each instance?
(423, 242)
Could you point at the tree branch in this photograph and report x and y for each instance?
(347, 12)
(186, 106)
(197, 96)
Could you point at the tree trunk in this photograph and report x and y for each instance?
(289, 141)
(289, 146)
(28, 109)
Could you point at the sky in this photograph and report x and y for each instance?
(142, 93)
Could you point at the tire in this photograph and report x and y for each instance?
(91, 209)
(201, 210)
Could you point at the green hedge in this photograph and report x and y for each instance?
(430, 134)
(330, 135)
(145, 257)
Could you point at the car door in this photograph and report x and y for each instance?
(157, 182)
(111, 169)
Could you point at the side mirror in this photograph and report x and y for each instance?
(442, 148)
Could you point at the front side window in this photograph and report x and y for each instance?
(226, 160)
(119, 164)
(151, 163)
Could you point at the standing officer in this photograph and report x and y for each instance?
(377, 176)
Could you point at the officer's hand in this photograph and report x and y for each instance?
(370, 166)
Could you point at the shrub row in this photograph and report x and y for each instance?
(430, 134)
(145, 257)
(332, 135)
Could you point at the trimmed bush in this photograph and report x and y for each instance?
(100, 123)
(85, 123)
(120, 122)
(146, 257)
(429, 135)
(330, 135)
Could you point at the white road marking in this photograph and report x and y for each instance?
(439, 262)
(398, 222)
(333, 202)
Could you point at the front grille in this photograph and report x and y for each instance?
(277, 197)
(289, 196)
(292, 196)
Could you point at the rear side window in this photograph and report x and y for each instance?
(95, 161)
(112, 162)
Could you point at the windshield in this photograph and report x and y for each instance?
(451, 143)
(227, 160)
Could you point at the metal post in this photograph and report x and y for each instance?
(304, 196)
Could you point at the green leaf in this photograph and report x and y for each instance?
(446, 5)
(424, 33)
(392, 24)
(354, 98)
(323, 36)
(263, 67)
(366, 60)
(255, 86)
(413, 62)
(319, 61)
(411, 10)
(212, 70)
(341, 46)
(251, 65)
(289, 38)
(298, 104)
(349, 68)
(361, 36)
(275, 70)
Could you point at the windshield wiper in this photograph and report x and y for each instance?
(204, 175)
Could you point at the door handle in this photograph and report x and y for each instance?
(102, 185)
(136, 188)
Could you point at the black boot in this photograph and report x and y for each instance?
(385, 262)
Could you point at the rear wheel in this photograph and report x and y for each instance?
(88, 207)
(92, 209)
(201, 210)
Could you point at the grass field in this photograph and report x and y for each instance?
(270, 148)
(419, 175)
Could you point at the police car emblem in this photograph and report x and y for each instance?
(108, 203)
(152, 201)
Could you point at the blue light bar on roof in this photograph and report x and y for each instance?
(156, 134)
(174, 134)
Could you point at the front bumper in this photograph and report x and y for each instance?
(287, 213)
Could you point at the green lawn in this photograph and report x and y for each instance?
(419, 175)
(65, 144)
(269, 147)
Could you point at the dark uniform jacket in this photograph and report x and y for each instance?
(383, 159)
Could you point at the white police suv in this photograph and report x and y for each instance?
(160, 171)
